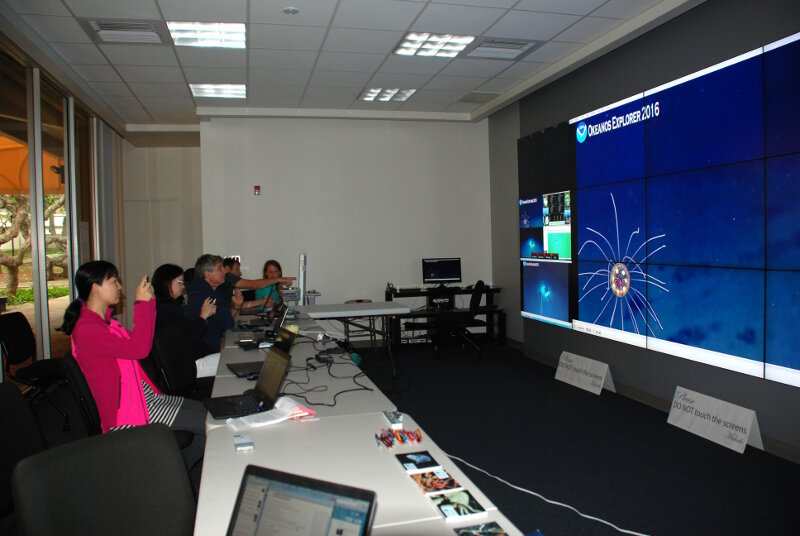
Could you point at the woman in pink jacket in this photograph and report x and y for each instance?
(109, 356)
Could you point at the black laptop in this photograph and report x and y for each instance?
(282, 341)
(261, 398)
(274, 502)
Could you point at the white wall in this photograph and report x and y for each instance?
(366, 200)
(161, 192)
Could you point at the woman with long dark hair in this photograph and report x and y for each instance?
(168, 286)
(109, 355)
(273, 293)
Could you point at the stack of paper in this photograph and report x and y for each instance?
(285, 408)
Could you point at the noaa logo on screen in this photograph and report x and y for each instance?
(581, 132)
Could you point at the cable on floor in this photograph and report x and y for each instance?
(545, 499)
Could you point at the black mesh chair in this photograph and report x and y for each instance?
(130, 482)
(174, 365)
(445, 325)
(21, 438)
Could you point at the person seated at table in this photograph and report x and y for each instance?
(208, 278)
(234, 280)
(168, 285)
(274, 292)
(109, 356)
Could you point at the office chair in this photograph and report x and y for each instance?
(174, 365)
(18, 345)
(22, 438)
(449, 324)
(130, 482)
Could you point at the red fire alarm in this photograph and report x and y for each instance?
(256, 190)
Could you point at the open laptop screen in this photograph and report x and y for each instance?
(277, 503)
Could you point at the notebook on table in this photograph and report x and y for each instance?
(274, 502)
(282, 341)
(261, 398)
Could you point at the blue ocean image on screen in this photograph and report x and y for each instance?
(782, 110)
(713, 217)
(718, 309)
(545, 289)
(611, 156)
(612, 221)
(783, 212)
(531, 242)
(707, 121)
(783, 318)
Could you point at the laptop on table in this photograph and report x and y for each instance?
(282, 341)
(261, 398)
(274, 502)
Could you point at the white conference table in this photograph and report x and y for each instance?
(340, 449)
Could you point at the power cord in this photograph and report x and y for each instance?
(545, 499)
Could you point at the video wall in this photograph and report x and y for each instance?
(681, 209)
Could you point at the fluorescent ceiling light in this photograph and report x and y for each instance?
(386, 95)
(426, 44)
(207, 34)
(220, 91)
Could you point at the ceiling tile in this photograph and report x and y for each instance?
(552, 51)
(459, 20)
(624, 9)
(105, 9)
(261, 58)
(211, 57)
(413, 64)
(484, 3)
(437, 95)
(220, 103)
(375, 105)
(376, 14)
(160, 90)
(349, 61)
(281, 37)
(97, 73)
(462, 107)
(215, 75)
(204, 10)
(498, 85)
(160, 55)
(399, 81)
(412, 105)
(258, 92)
(80, 53)
(341, 94)
(354, 40)
(167, 102)
(466, 83)
(151, 75)
(588, 29)
(531, 25)
(314, 103)
(279, 77)
(475, 67)
(58, 29)
(574, 7)
(312, 12)
(273, 102)
(117, 89)
(126, 102)
(39, 7)
(524, 69)
(339, 79)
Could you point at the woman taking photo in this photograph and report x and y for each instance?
(109, 355)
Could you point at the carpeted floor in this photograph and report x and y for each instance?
(608, 456)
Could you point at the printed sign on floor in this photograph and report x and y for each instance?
(723, 423)
(585, 373)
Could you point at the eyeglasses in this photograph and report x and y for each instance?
(180, 282)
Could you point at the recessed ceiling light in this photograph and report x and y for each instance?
(426, 44)
(386, 95)
(291, 10)
(208, 34)
(220, 91)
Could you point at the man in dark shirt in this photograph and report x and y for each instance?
(208, 278)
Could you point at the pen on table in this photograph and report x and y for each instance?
(378, 441)
(260, 405)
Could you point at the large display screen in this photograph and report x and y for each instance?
(684, 218)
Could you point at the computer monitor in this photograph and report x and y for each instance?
(441, 270)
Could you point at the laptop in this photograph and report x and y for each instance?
(261, 398)
(283, 341)
(262, 322)
(274, 502)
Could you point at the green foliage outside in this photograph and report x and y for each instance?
(25, 295)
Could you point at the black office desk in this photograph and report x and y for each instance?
(432, 294)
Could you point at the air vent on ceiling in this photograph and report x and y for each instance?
(478, 97)
(502, 49)
(124, 32)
